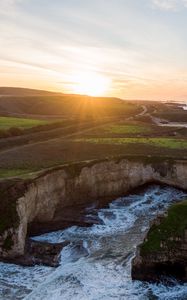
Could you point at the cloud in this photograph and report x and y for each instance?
(172, 5)
(8, 6)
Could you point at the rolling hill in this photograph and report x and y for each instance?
(18, 101)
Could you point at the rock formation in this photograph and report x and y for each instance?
(42, 202)
(164, 250)
(39, 253)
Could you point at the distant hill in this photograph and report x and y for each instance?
(14, 91)
(21, 101)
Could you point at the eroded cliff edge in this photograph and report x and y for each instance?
(164, 250)
(45, 199)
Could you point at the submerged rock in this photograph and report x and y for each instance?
(164, 250)
(40, 253)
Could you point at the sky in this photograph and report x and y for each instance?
(132, 49)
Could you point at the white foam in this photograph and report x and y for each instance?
(96, 264)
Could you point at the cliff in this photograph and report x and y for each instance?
(50, 200)
(164, 250)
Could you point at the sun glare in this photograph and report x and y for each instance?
(91, 84)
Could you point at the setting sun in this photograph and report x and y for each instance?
(93, 149)
(91, 84)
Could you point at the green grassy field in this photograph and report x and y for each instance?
(6, 173)
(127, 129)
(158, 142)
(90, 128)
(8, 122)
(171, 227)
(41, 150)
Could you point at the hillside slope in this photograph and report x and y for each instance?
(32, 102)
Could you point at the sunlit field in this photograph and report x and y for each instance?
(123, 128)
(83, 134)
(8, 122)
(157, 142)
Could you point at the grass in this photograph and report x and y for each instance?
(7, 173)
(35, 157)
(69, 105)
(127, 129)
(8, 122)
(92, 139)
(171, 227)
(29, 170)
(170, 143)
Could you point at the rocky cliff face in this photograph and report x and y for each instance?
(46, 198)
(164, 250)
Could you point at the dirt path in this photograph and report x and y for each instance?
(145, 110)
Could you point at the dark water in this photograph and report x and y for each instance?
(97, 263)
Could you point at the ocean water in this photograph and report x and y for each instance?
(96, 265)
